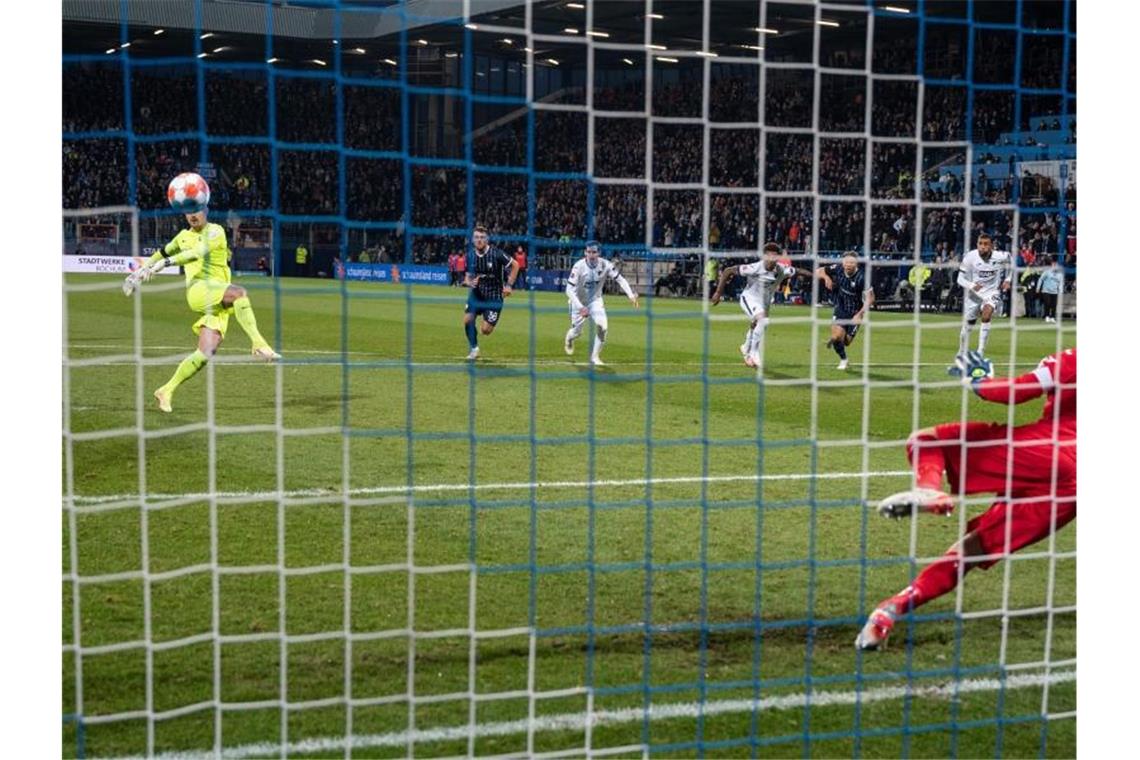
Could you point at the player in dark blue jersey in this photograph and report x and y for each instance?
(485, 276)
(851, 296)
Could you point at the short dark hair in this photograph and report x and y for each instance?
(984, 236)
(481, 228)
(771, 248)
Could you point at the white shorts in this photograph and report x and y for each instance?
(597, 313)
(755, 308)
(973, 306)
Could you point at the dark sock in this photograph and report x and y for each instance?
(840, 349)
(472, 335)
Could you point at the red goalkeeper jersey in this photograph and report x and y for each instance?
(1056, 379)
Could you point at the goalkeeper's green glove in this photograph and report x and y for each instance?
(973, 367)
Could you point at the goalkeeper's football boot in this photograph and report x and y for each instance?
(842, 365)
(163, 397)
(750, 361)
(907, 503)
(265, 353)
(597, 361)
(473, 355)
(877, 629)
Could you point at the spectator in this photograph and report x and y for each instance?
(301, 255)
(520, 259)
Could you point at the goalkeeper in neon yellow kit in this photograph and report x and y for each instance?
(205, 257)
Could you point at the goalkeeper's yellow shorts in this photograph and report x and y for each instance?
(205, 296)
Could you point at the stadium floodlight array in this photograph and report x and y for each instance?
(684, 689)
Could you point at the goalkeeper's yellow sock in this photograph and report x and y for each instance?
(243, 310)
(187, 368)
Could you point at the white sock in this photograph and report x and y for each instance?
(964, 338)
(757, 334)
(748, 340)
(983, 336)
(599, 341)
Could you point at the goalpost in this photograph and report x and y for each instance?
(375, 549)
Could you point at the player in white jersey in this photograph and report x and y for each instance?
(584, 289)
(984, 275)
(764, 278)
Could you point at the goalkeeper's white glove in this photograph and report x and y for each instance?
(133, 280)
(143, 274)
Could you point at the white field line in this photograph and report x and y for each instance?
(515, 486)
(241, 359)
(669, 711)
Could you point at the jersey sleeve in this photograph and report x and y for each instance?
(572, 286)
(1057, 369)
(572, 280)
(1054, 370)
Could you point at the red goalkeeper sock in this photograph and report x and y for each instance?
(936, 579)
(925, 455)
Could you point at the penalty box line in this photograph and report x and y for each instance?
(669, 711)
(510, 486)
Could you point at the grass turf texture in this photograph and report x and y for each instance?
(753, 588)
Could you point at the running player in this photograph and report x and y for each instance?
(764, 278)
(204, 256)
(1033, 466)
(984, 275)
(485, 265)
(584, 289)
(847, 283)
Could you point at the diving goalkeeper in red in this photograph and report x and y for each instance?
(1033, 467)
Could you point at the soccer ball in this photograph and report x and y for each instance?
(188, 193)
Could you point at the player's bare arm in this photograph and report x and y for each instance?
(726, 274)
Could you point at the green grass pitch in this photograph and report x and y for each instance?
(637, 482)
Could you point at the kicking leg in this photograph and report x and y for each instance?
(243, 310)
(208, 341)
(759, 322)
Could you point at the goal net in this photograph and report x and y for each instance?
(376, 548)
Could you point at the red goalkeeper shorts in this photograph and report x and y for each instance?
(992, 465)
(1034, 503)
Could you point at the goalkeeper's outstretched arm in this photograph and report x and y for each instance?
(977, 370)
(161, 260)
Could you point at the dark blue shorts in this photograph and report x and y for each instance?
(488, 310)
(842, 315)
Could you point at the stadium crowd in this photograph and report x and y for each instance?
(164, 101)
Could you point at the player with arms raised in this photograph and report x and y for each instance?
(984, 275)
(764, 278)
(584, 289)
(1033, 465)
(203, 254)
(485, 264)
(847, 283)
